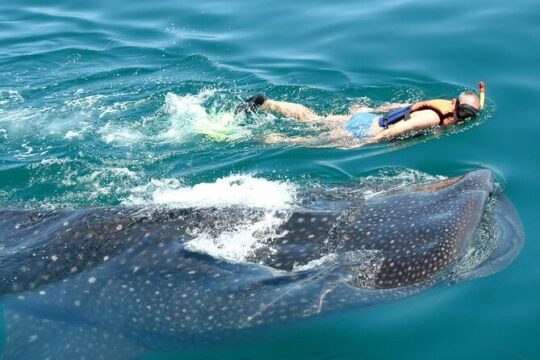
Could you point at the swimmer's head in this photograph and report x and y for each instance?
(469, 98)
(467, 105)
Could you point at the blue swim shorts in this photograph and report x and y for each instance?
(358, 125)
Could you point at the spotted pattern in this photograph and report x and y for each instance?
(122, 278)
(417, 233)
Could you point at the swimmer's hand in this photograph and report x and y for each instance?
(252, 103)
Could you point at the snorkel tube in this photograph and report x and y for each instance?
(481, 91)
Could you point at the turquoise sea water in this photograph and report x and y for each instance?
(102, 103)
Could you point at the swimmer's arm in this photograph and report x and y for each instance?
(390, 107)
(420, 120)
(380, 109)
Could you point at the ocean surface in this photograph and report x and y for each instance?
(118, 103)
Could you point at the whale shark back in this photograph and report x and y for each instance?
(132, 274)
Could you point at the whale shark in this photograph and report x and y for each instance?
(126, 280)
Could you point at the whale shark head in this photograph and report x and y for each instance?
(417, 232)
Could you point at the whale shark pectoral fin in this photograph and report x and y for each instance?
(30, 337)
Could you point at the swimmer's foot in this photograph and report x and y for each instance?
(252, 103)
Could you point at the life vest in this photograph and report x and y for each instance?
(443, 108)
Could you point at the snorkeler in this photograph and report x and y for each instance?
(366, 125)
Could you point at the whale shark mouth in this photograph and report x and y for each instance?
(187, 273)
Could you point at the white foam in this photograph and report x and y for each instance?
(106, 181)
(118, 107)
(86, 102)
(99, 105)
(116, 172)
(120, 135)
(17, 116)
(395, 182)
(29, 151)
(234, 190)
(237, 244)
(71, 134)
(52, 161)
(8, 96)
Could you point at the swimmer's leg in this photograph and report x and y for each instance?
(290, 110)
(334, 138)
(287, 109)
(301, 112)
(275, 138)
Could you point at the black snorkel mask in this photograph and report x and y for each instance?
(465, 111)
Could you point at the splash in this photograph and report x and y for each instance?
(241, 241)
(120, 135)
(243, 236)
(8, 96)
(394, 179)
(188, 116)
(234, 190)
